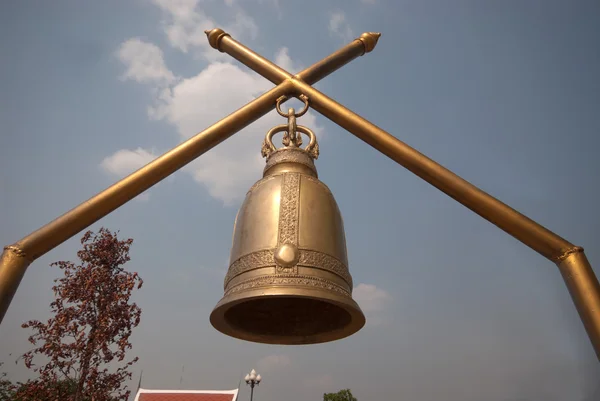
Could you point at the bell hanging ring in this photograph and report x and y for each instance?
(288, 280)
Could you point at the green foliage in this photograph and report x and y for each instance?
(7, 389)
(61, 389)
(48, 391)
(342, 395)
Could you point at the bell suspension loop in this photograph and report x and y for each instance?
(292, 137)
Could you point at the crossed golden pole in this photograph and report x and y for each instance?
(570, 259)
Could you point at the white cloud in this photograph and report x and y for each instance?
(185, 23)
(275, 361)
(339, 27)
(371, 298)
(144, 62)
(373, 302)
(272, 3)
(283, 59)
(193, 104)
(124, 161)
(244, 24)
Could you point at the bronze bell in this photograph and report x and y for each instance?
(288, 280)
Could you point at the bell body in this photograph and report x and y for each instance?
(288, 280)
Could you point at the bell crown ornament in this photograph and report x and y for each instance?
(288, 280)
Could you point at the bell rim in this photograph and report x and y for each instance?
(357, 317)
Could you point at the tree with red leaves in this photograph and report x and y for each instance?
(92, 321)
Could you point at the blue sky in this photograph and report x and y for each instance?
(504, 93)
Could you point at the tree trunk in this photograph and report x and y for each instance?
(85, 364)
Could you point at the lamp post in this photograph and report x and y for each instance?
(570, 259)
(252, 379)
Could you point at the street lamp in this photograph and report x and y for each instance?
(252, 379)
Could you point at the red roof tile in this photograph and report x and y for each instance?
(185, 395)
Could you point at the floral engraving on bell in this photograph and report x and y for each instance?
(248, 262)
(290, 155)
(288, 280)
(288, 223)
(307, 258)
(325, 262)
(288, 209)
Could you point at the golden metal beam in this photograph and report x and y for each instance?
(524, 229)
(17, 257)
(223, 42)
(576, 270)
